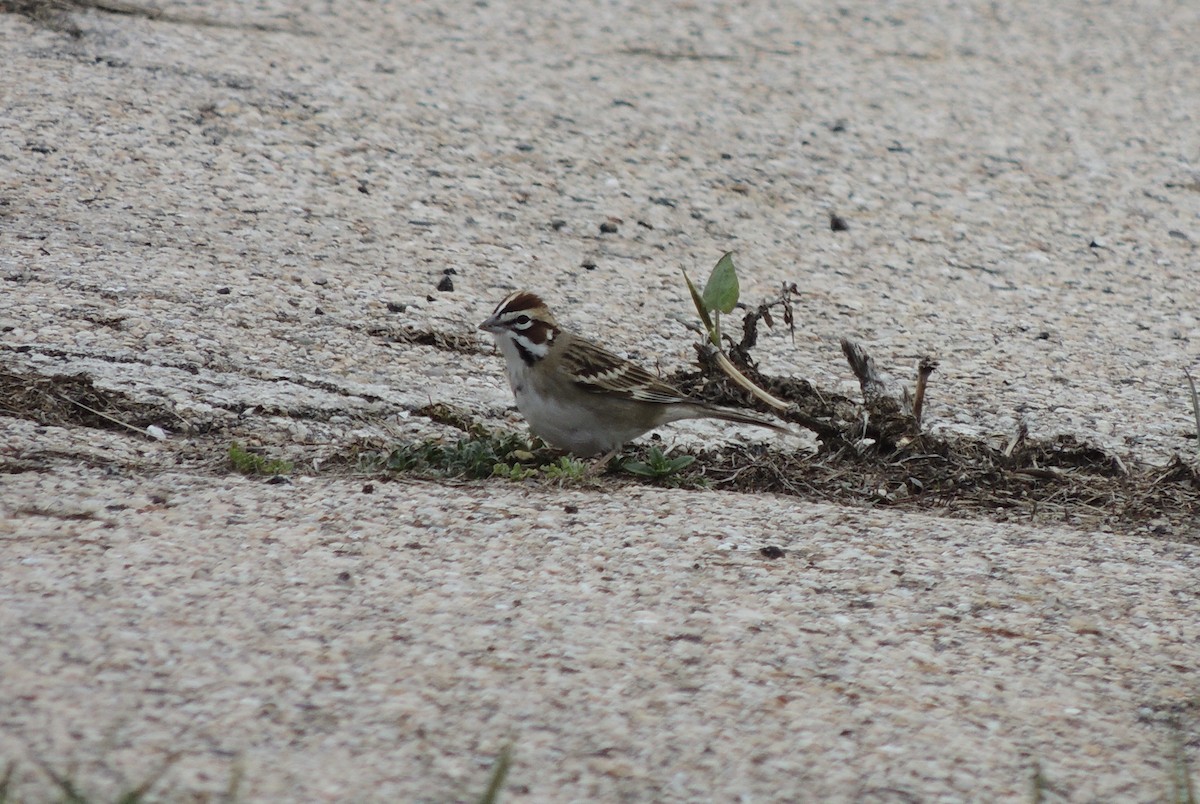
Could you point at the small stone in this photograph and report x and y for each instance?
(224, 291)
(368, 488)
(837, 223)
(771, 551)
(320, 280)
(447, 284)
(396, 307)
(588, 264)
(608, 227)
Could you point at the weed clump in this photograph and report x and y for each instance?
(493, 454)
(251, 463)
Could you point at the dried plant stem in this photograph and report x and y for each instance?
(1195, 406)
(924, 369)
(106, 417)
(744, 383)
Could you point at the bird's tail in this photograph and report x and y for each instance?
(749, 418)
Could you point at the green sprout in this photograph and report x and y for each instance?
(513, 471)
(657, 465)
(251, 463)
(720, 296)
(566, 469)
(496, 454)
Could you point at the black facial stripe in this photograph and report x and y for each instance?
(526, 355)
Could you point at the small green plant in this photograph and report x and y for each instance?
(501, 454)
(251, 463)
(720, 295)
(566, 470)
(513, 471)
(658, 466)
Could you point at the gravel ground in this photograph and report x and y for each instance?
(242, 213)
(385, 646)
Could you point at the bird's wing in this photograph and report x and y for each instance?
(599, 371)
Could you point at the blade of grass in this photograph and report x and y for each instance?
(6, 780)
(703, 311)
(1182, 789)
(499, 771)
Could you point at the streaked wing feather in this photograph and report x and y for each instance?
(599, 371)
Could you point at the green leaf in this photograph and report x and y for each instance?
(657, 465)
(721, 291)
(566, 470)
(677, 464)
(702, 310)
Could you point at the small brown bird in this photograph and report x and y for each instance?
(577, 395)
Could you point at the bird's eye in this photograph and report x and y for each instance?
(522, 321)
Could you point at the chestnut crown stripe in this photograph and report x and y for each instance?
(521, 301)
(531, 325)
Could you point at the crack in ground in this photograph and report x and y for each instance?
(1062, 480)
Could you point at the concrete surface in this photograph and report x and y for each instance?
(224, 211)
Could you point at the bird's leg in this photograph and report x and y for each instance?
(600, 464)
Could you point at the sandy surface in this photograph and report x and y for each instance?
(230, 212)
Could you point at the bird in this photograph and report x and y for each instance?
(578, 396)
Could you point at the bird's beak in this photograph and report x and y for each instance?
(491, 325)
